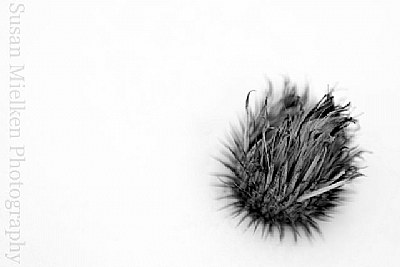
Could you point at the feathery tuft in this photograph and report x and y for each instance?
(289, 161)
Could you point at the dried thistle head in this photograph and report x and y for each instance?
(289, 161)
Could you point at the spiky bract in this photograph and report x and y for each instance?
(289, 161)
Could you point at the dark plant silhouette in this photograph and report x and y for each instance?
(288, 162)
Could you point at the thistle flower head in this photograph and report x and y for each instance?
(289, 161)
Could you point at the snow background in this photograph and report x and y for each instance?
(126, 101)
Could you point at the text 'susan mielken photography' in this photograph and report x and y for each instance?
(17, 104)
